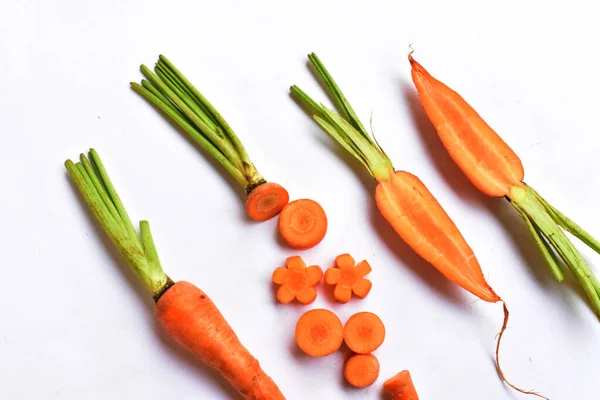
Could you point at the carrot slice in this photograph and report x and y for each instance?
(266, 201)
(348, 278)
(401, 387)
(361, 370)
(319, 333)
(364, 332)
(297, 281)
(303, 224)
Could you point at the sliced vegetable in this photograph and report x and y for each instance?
(401, 387)
(303, 224)
(496, 170)
(173, 94)
(364, 332)
(297, 281)
(184, 311)
(361, 370)
(348, 278)
(319, 333)
(401, 197)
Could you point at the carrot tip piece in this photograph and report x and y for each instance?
(401, 386)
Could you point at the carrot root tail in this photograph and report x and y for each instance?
(499, 369)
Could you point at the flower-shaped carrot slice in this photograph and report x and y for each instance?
(348, 278)
(297, 281)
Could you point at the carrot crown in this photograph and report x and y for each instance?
(171, 92)
(93, 183)
(345, 127)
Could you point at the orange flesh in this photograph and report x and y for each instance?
(266, 201)
(489, 163)
(401, 387)
(361, 370)
(364, 332)
(423, 224)
(191, 319)
(319, 333)
(303, 224)
(297, 281)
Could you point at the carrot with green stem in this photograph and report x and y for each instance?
(403, 199)
(494, 168)
(185, 312)
(172, 93)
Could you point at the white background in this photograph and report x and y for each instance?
(75, 324)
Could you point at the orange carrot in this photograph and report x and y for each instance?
(297, 281)
(361, 370)
(401, 197)
(348, 279)
(171, 92)
(185, 312)
(364, 332)
(401, 387)
(303, 224)
(319, 333)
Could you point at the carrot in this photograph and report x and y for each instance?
(401, 387)
(361, 370)
(348, 278)
(303, 224)
(493, 167)
(401, 197)
(297, 281)
(364, 332)
(319, 333)
(184, 311)
(172, 93)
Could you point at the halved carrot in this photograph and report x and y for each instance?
(297, 281)
(361, 370)
(348, 278)
(171, 92)
(319, 333)
(364, 332)
(401, 387)
(303, 223)
(185, 312)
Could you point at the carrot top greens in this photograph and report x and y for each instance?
(171, 92)
(345, 127)
(93, 182)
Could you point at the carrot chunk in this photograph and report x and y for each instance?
(348, 278)
(401, 387)
(319, 333)
(361, 370)
(266, 201)
(364, 332)
(303, 224)
(297, 281)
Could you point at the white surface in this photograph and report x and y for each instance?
(73, 325)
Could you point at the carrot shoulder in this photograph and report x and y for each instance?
(490, 164)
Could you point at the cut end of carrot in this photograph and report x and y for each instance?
(361, 370)
(364, 332)
(297, 281)
(303, 224)
(266, 201)
(401, 387)
(319, 333)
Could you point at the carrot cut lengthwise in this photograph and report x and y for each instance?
(303, 224)
(184, 311)
(402, 198)
(361, 370)
(401, 387)
(493, 167)
(172, 93)
(364, 332)
(319, 333)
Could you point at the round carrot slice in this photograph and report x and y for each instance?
(364, 332)
(303, 223)
(361, 370)
(319, 332)
(266, 201)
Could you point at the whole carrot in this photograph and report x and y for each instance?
(493, 167)
(185, 312)
(403, 199)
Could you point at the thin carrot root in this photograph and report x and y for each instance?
(361, 370)
(364, 332)
(500, 372)
(297, 281)
(401, 387)
(303, 224)
(348, 278)
(319, 333)
(266, 201)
